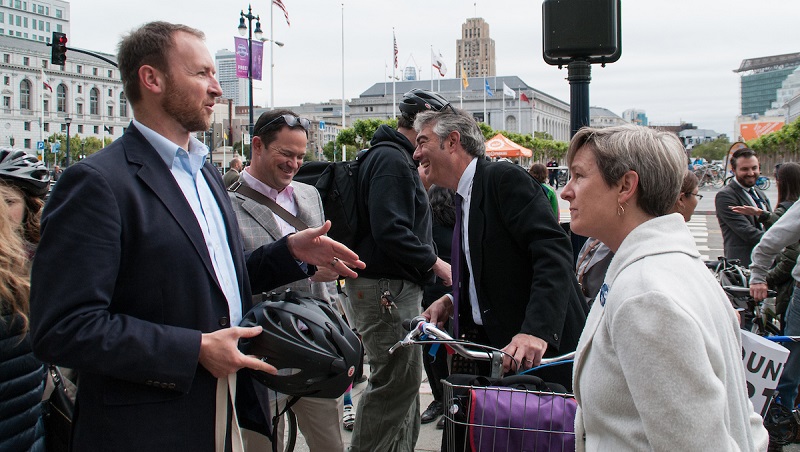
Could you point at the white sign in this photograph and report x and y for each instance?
(763, 364)
(246, 138)
(40, 145)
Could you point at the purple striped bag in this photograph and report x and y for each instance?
(506, 419)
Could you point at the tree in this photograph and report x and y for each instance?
(712, 150)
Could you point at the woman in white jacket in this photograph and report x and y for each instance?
(659, 365)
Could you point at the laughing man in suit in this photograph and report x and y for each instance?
(521, 293)
(279, 146)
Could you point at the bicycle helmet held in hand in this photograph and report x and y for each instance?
(314, 350)
(25, 171)
(419, 100)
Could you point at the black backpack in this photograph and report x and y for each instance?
(337, 183)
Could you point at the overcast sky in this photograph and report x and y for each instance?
(677, 55)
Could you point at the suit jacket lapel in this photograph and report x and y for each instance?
(155, 174)
(263, 216)
(304, 204)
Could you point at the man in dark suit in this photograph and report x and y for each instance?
(521, 292)
(741, 233)
(140, 276)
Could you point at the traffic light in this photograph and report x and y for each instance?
(59, 48)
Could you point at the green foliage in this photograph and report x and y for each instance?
(78, 148)
(712, 150)
(541, 143)
(784, 141)
(355, 138)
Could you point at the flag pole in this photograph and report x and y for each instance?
(485, 84)
(504, 105)
(519, 112)
(431, 67)
(394, 75)
(41, 116)
(271, 63)
(343, 102)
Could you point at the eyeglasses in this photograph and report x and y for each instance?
(290, 120)
(696, 195)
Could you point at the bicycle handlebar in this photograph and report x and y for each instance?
(419, 326)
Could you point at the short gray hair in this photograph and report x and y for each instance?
(657, 157)
(446, 121)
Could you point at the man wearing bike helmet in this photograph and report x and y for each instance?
(395, 239)
(140, 277)
(740, 233)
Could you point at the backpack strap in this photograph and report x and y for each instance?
(244, 190)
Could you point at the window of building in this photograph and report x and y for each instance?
(40, 9)
(46, 106)
(94, 96)
(47, 27)
(123, 105)
(18, 4)
(44, 64)
(61, 98)
(25, 22)
(18, 21)
(80, 89)
(6, 80)
(2, 17)
(79, 69)
(6, 58)
(110, 129)
(47, 127)
(26, 125)
(58, 28)
(94, 71)
(80, 128)
(110, 111)
(59, 14)
(96, 130)
(63, 127)
(79, 108)
(110, 92)
(110, 74)
(26, 61)
(27, 143)
(6, 101)
(25, 95)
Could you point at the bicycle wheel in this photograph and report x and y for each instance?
(717, 182)
(780, 424)
(290, 431)
(763, 183)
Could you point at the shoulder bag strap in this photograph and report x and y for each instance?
(244, 190)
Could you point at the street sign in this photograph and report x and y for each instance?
(54, 147)
(322, 125)
(246, 138)
(40, 145)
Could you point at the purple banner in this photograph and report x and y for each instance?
(242, 58)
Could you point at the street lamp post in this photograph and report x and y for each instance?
(249, 30)
(68, 121)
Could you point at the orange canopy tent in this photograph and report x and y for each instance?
(500, 146)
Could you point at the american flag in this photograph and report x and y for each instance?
(280, 5)
(395, 50)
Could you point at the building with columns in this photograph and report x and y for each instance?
(86, 90)
(544, 113)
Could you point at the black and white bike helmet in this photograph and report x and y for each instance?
(314, 350)
(419, 100)
(23, 170)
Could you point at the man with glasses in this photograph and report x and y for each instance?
(278, 149)
(395, 239)
(140, 278)
(740, 233)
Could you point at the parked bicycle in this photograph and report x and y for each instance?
(709, 174)
(510, 414)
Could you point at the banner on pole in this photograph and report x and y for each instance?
(242, 58)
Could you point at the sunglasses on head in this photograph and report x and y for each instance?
(289, 120)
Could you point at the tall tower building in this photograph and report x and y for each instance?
(34, 20)
(475, 50)
(232, 87)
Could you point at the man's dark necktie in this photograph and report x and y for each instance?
(456, 259)
(756, 198)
